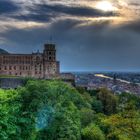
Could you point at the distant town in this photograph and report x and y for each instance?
(117, 82)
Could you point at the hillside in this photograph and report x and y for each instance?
(3, 51)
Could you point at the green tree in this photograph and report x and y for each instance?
(9, 108)
(92, 132)
(124, 126)
(66, 125)
(97, 105)
(127, 98)
(109, 101)
(87, 116)
(55, 105)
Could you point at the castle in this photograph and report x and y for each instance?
(37, 65)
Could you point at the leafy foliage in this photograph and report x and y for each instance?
(92, 132)
(53, 110)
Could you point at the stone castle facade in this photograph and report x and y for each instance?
(37, 65)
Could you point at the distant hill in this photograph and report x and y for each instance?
(3, 51)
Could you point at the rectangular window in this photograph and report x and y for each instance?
(5, 68)
(10, 67)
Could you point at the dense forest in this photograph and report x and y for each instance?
(54, 110)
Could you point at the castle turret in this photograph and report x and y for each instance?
(51, 66)
(50, 52)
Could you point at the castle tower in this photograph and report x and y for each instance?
(51, 66)
(50, 52)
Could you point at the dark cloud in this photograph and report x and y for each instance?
(44, 12)
(37, 17)
(133, 26)
(74, 11)
(7, 6)
(92, 47)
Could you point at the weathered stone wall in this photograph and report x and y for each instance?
(13, 82)
(7, 83)
(68, 78)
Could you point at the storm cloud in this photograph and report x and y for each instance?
(83, 44)
(45, 12)
(7, 6)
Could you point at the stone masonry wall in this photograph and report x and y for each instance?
(7, 83)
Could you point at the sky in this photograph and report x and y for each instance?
(90, 35)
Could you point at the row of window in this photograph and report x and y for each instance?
(16, 62)
(49, 52)
(16, 57)
(23, 62)
(15, 68)
(37, 68)
(51, 58)
(20, 73)
(25, 58)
